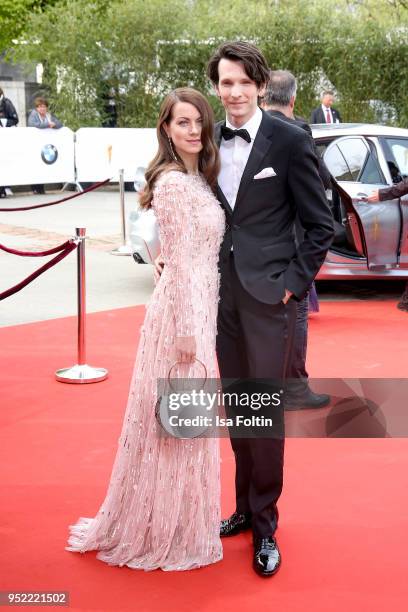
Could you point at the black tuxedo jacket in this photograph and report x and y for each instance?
(318, 115)
(323, 169)
(298, 121)
(261, 226)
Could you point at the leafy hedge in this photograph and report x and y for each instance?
(141, 50)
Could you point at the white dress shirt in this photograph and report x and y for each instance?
(234, 155)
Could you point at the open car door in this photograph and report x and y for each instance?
(374, 229)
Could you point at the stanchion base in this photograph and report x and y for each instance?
(81, 374)
(124, 249)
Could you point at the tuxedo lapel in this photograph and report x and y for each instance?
(220, 195)
(223, 200)
(217, 133)
(260, 148)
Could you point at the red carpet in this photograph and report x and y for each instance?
(344, 520)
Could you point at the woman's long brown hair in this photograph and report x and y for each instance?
(208, 161)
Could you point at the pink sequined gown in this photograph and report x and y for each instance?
(162, 507)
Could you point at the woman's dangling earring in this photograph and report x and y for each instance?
(172, 150)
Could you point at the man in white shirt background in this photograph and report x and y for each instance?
(325, 113)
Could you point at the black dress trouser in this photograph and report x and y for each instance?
(254, 341)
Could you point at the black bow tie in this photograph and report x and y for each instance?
(228, 134)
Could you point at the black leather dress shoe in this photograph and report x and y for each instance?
(267, 558)
(235, 524)
(308, 399)
(403, 303)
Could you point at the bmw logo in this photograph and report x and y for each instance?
(49, 154)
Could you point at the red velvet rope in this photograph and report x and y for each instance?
(70, 246)
(75, 195)
(56, 249)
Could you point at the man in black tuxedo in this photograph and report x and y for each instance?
(279, 101)
(268, 176)
(325, 113)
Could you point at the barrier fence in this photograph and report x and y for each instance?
(70, 197)
(32, 156)
(101, 152)
(65, 249)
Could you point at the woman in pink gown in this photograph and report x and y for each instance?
(162, 507)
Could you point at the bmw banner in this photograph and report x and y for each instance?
(31, 155)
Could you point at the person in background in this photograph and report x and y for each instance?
(395, 191)
(8, 114)
(8, 118)
(279, 101)
(41, 118)
(109, 107)
(325, 113)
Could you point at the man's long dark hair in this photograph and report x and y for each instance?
(254, 63)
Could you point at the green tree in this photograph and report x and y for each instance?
(89, 47)
(13, 18)
(13, 14)
(141, 50)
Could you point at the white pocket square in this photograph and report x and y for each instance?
(265, 173)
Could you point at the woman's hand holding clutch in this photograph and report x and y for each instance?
(185, 349)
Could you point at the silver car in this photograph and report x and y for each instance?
(371, 239)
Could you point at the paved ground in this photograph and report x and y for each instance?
(112, 281)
